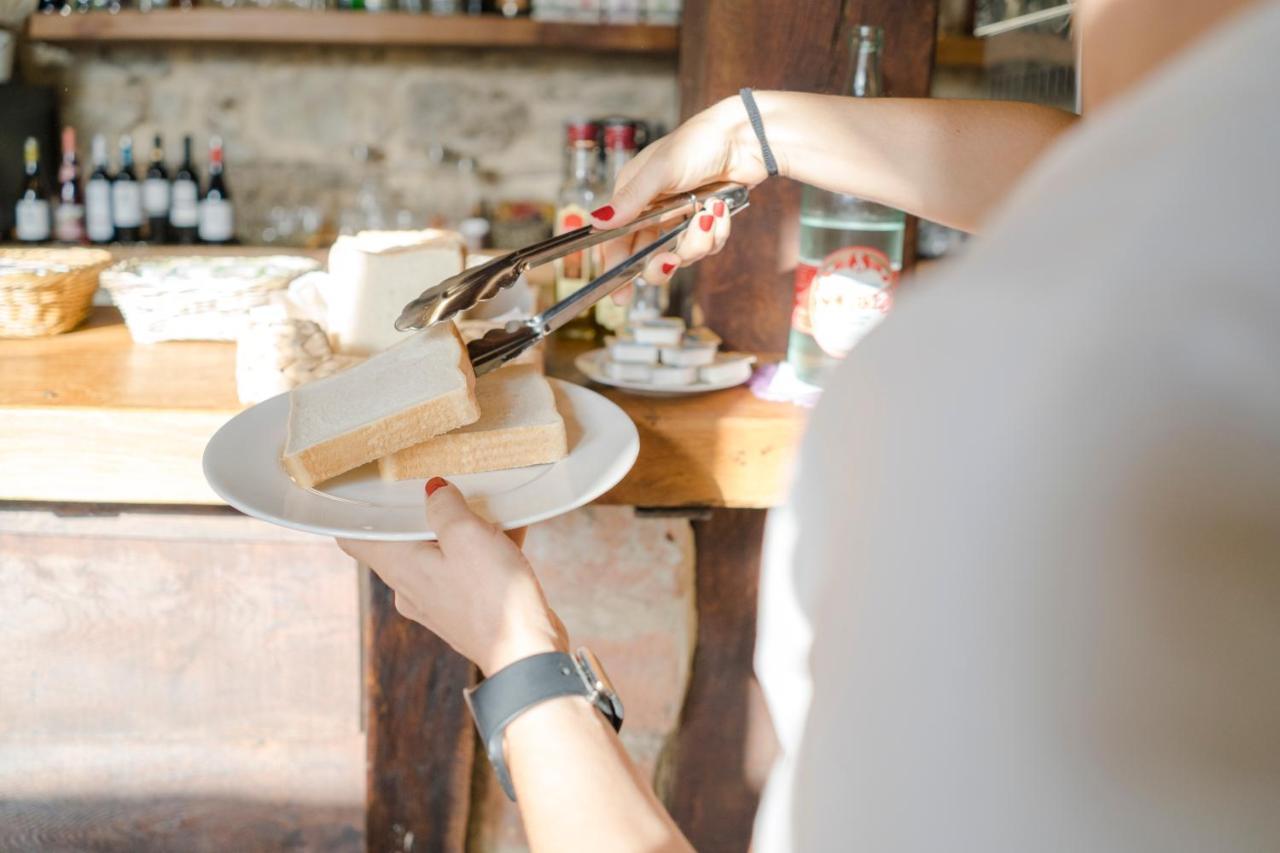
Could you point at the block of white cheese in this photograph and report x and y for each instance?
(630, 352)
(665, 374)
(729, 368)
(621, 371)
(662, 331)
(689, 355)
(374, 273)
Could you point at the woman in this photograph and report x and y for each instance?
(1023, 595)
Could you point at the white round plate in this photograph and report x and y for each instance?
(242, 465)
(592, 366)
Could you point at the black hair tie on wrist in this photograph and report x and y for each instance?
(757, 124)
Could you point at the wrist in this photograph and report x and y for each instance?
(746, 150)
(522, 642)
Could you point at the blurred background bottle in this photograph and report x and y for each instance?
(621, 144)
(581, 192)
(32, 215)
(126, 197)
(184, 199)
(155, 194)
(850, 255)
(97, 196)
(215, 218)
(68, 218)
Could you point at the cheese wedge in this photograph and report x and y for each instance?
(418, 388)
(518, 426)
(374, 273)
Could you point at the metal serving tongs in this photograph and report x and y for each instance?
(482, 283)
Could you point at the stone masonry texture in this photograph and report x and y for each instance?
(291, 116)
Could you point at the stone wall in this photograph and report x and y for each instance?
(291, 116)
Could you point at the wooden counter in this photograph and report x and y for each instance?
(91, 417)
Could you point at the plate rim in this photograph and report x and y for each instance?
(626, 462)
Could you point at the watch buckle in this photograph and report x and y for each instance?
(603, 695)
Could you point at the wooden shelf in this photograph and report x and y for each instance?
(92, 417)
(382, 29)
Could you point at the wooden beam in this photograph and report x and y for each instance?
(421, 744)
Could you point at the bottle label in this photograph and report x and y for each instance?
(840, 301)
(32, 220)
(184, 213)
(573, 270)
(217, 222)
(68, 222)
(97, 211)
(126, 204)
(155, 197)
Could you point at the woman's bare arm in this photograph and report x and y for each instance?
(949, 161)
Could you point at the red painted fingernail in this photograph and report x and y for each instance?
(604, 214)
(435, 484)
(718, 208)
(667, 268)
(706, 222)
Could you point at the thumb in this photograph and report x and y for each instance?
(631, 197)
(455, 525)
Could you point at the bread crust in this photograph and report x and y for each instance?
(474, 452)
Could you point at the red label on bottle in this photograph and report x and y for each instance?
(838, 301)
(805, 274)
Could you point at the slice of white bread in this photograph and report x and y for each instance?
(420, 387)
(518, 426)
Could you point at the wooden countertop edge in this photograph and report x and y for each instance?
(90, 417)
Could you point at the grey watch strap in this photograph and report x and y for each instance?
(512, 690)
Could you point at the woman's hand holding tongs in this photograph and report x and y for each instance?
(708, 148)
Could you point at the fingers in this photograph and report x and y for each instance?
(622, 296)
(516, 535)
(723, 224)
(459, 530)
(617, 251)
(647, 180)
(661, 267)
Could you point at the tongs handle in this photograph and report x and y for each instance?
(500, 346)
(478, 284)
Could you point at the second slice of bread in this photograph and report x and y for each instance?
(518, 426)
(418, 388)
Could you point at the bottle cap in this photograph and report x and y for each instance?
(581, 130)
(620, 134)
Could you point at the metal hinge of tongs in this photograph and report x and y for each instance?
(482, 283)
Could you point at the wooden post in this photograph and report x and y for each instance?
(746, 294)
(724, 745)
(421, 742)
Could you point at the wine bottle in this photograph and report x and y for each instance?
(184, 199)
(68, 217)
(155, 195)
(31, 220)
(126, 197)
(98, 224)
(216, 217)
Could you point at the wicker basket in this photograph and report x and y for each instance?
(193, 298)
(47, 291)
